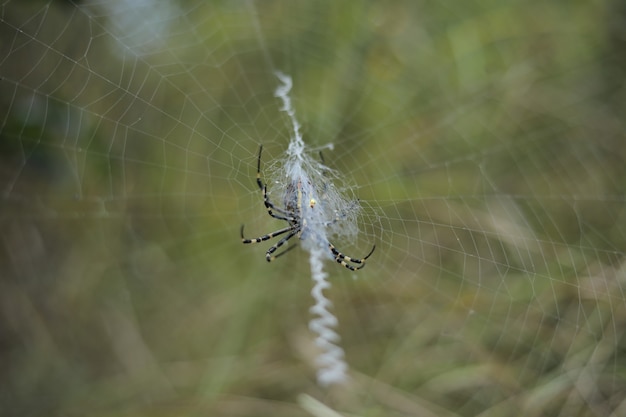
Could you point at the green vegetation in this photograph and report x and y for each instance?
(486, 143)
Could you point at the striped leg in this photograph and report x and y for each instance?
(343, 259)
(265, 237)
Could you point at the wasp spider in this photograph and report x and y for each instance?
(292, 214)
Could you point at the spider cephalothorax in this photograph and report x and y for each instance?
(292, 212)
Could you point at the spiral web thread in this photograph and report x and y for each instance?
(301, 169)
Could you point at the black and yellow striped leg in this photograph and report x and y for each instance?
(265, 237)
(271, 208)
(343, 260)
(269, 257)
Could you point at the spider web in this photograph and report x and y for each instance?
(484, 143)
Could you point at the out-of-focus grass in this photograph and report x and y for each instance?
(486, 137)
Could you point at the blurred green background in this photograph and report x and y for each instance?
(485, 140)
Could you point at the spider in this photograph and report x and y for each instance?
(292, 214)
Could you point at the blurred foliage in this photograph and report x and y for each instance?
(487, 142)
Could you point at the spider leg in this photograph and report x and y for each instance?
(271, 208)
(290, 247)
(265, 237)
(343, 259)
(258, 169)
(268, 255)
